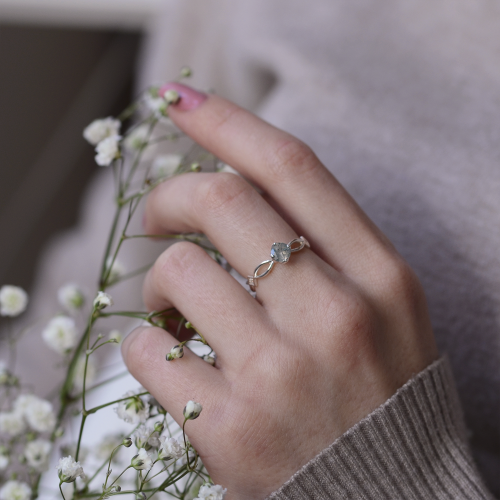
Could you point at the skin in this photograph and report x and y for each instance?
(331, 335)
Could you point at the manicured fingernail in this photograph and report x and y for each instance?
(189, 98)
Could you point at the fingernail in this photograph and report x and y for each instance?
(128, 340)
(189, 98)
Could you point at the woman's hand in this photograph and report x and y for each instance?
(332, 334)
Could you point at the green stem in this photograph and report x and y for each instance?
(93, 410)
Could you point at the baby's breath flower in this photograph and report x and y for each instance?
(37, 454)
(209, 359)
(13, 300)
(146, 437)
(40, 415)
(69, 470)
(102, 300)
(171, 96)
(192, 410)
(224, 167)
(101, 128)
(11, 424)
(116, 272)
(211, 492)
(115, 335)
(176, 352)
(108, 150)
(60, 334)
(142, 461)
(80, 372)
(71, 297)
(15, 490)
(127, 442)
(134, 410)
(170, 449)
(165, 166)
(155, 104)
(137, 138)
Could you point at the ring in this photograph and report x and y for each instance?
(280, 252)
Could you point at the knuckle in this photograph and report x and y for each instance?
(142, 350)
(398, 282)
(292, 159)
(220, 191)
(176, 264)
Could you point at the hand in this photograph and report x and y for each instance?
(332, 334)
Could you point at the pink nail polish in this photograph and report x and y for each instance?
(189, 98)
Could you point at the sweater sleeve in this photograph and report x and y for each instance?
(411, 447)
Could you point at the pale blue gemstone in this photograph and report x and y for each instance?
(280, 252)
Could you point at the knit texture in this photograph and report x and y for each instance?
(411, 447)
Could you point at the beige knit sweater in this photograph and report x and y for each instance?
(401, 100)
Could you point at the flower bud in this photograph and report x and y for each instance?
(186, 72)
(192, 410)
(141, 496)
(195, 167)
(176, 352)
(102, 300)
(171, 96)
(69, 470)
(209, 359)
(117, 488)
(158, 427)
(127, 442)
(142, 461)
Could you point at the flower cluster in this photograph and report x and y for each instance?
(31, 427)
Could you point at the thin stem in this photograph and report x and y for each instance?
(93, 410)
(82, 425)
(60, 489)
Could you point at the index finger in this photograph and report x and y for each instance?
(293, 179)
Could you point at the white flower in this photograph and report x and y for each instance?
(38, 412)
(165, 166)
(170, 449)
(99, 129)
(146, 437)
(142, 461)
(116, 272)
(13, 300)
(192, 410)
(69, 470)
(134, 410)
(4, 462)
(209, 359)
(115, 335)
(60, 334)
(211, 492)
(107, 150)
(12, 424)
(171, 96)
(155, 104)
(37, 454)
(71, 297)
(176, 352)
(224, 167)
(102, 300)
(80, 372)
(138, 137)
(15, 490)
(40, 415)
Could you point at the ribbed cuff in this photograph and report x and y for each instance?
(411, 447)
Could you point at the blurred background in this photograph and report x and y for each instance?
(62, 64)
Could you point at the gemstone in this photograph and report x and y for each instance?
(280, 252)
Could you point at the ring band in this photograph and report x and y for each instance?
(280, 252)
